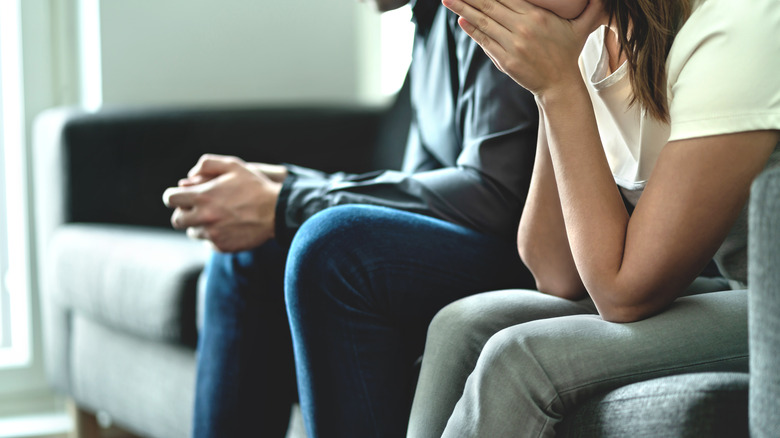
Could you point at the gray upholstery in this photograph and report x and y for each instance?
(132, 279)
(764, 305)
(146, 386)
(689, 405)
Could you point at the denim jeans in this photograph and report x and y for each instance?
(362, 284)
(245, 373)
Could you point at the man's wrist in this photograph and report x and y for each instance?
(282, 232)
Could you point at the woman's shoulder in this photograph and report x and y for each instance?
(733, 28)
(722, 69)
(735, 13)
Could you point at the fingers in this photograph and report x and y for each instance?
(590, 19)
(211, 165)
(194, 180)
(489, 17)
(182, 218)
(180, 197)
(197, 233)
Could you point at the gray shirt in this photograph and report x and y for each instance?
(470, 149)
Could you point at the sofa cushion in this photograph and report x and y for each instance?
(688, 405)
(145, 387)
(135, 279)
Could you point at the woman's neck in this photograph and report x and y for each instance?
(616, 56)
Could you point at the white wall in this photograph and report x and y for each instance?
(235, 51)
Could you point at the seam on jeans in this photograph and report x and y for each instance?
(557, 396)
(661, 371)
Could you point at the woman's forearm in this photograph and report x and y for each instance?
(541, 236)
(594, 215)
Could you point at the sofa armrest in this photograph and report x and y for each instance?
(764, 304)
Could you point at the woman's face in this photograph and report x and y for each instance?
(386, 5)
(568, 9)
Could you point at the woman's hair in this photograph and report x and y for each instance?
(646, 29)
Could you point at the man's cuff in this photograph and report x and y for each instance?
(284, 234)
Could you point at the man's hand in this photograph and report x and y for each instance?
(227, 201)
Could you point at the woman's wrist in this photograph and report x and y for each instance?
(567, 94)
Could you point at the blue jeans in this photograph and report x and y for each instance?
(362, 284)
(245, 372)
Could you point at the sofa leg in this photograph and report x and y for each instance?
(85, 424)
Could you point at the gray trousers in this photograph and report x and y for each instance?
(513, 363)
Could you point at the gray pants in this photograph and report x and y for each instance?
(513, 363)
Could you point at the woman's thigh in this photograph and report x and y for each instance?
(455, 339)
(528, 376)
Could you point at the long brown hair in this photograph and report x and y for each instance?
(646, 29)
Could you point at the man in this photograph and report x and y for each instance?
(467, 165)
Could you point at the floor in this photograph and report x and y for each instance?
(58, 425)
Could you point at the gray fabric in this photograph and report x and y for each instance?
(546, 367)
(55, 323)
(764, 306)
(459, 332)
(732, 256)
(48, 174)
(145, 387)
(689, 405)
(456, 336)
(470, 151)
(135, 279)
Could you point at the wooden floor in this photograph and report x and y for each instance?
(78, 423)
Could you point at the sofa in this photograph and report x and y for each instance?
(119, 287)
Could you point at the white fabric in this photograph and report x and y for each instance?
(631, 140)
(723, 75)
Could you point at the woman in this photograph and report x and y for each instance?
(674, 100)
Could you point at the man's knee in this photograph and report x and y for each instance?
(326, 253)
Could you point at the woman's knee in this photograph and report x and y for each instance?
(463, 324)
(532, 353)
(451, 339)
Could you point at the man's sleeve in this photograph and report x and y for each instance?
(485, 186)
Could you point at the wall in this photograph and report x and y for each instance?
(234, 51)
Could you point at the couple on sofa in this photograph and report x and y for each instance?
(536, 130)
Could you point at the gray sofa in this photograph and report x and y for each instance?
(119, 286)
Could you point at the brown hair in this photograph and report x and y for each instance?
(646, 29)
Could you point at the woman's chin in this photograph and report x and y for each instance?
(568, 9)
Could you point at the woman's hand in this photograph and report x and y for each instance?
(535, 47)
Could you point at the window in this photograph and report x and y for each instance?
(397, 36)
(14, 297)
